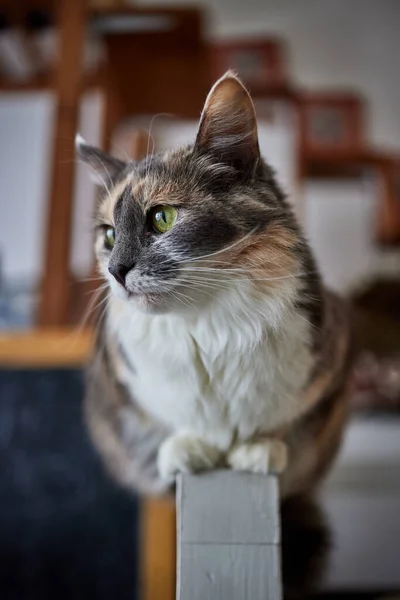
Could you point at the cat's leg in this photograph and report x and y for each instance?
(185, 452)
(126, 438)
(268, 455)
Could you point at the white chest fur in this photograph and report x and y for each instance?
(222, 374)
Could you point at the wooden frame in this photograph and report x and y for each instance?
(54, 303)
(388, 217)
(260, 64)
(331, 124)
(177, 84)
(342, 165)
(158, 540)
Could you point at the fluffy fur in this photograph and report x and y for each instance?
(220, 346)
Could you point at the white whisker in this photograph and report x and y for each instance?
(203, 291)
(239, 241)
(92, 306)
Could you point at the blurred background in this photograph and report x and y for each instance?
(132, 77)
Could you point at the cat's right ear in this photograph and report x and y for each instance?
(228, 125)
(103, 166)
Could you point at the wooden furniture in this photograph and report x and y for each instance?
(260, 63)
(388, 216)
(169, 73)
(55, 290)
(342, 166)
(163, 79)
(331, 124)
(228, 537)
(332, 139)
(146, 72)
(158, 570)
(49, 348)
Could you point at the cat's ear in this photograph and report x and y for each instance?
(103, 166)
(228, 125)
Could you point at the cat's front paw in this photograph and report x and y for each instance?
(185, 453)
(264, 456)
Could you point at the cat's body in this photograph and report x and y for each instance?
(221, 346)
(200, 378)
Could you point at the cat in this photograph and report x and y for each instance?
(220, 346)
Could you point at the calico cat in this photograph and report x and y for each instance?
(220, 345)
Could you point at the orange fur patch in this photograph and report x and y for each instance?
(270, 258)
(156, 193)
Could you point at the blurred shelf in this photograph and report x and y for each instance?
(63, 347)
(109, 22)
(16, 11)
(341, 164)
(282, 91)
(117, 11)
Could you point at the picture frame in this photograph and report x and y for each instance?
(331, 123)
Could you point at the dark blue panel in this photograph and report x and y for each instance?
(66, 531)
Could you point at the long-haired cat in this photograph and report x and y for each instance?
(220, 345)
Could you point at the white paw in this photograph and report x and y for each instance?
(267, 456)
(185, 453)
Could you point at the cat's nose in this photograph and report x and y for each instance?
(119, 272)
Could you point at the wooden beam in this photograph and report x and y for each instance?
(228, 537)
(49, 348)
(55, 291)
(158, 568)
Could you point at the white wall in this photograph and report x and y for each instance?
(25, 150)
(339, 222)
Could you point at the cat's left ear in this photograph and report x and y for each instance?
(228, 125)
(103, 166)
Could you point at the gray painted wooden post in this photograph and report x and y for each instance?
(228, 537)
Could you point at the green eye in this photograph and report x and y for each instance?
(109, 237)
(164, 218)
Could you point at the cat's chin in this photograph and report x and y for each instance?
(152, 303)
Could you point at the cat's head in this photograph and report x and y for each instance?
(178, 229)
